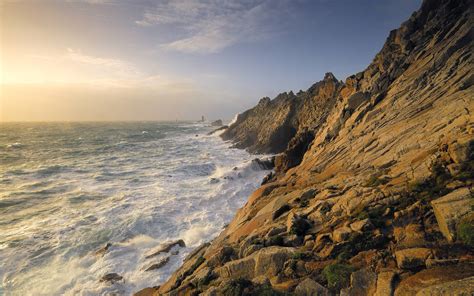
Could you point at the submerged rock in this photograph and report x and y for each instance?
(158, 265)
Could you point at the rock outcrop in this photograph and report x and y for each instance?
(357, 205)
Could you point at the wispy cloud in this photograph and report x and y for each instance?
(209, 26)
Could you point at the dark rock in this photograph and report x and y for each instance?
(264, 164)
(111, 278)
(103, 250)
(167, 247)
(159, 264)
(217, 122)
(217, 130)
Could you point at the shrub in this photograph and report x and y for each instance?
(337, 275)
(465, 230)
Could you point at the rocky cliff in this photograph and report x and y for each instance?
(373, 190)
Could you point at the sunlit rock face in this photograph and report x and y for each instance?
(384, 145)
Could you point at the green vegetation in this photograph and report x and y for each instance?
(465, 230)
(337, 275)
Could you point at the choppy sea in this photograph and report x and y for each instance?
(68, 189)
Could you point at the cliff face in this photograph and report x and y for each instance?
(373, 192)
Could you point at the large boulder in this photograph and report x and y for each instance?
(412, 258)
(454, 288)
(363, 283)
(385, 283)
(267, 261)
(450, 208)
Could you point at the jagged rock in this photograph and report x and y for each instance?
(385, 283)
(342, 234)
(217, 130)
(296, 224)
(309, 287)
(103, 250)
(393, 120)
(158, 265)
(461, 149)
(111, 278)
(217, 122)
(223, 255)
(412, 235)
(293, 155)
(264, 164)
(363, 282)
(412, 258)
(361, 225)
(450, 208)
(268, 261)
(166, 248)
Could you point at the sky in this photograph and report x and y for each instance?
(107, 60)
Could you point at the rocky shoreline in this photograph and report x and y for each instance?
(372, 188)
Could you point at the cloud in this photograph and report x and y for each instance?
(209, 26)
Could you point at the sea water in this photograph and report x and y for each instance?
(68, 189)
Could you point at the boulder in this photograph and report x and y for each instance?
(309, 287)
(111, 278)
(267, 261)
(342, 234)
(412, 258)
(217, 122)
(159, 264)
(296, 224)
(103, 250)
(385, 283)
(166, 248)
(361, 225)
(461, 149)
(450, 208)
(363, 283)
(453, 288)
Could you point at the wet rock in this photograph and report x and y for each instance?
(451, 208)
(103, 250)
(430, 263)
(166, 248)
(217, 130)
(158, 265)
(310, 287)
(264, 164)
(217, 122)
(412, 258)
(111, 278)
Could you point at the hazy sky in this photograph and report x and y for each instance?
(178, 59)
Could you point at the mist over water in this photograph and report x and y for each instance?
(67, 189)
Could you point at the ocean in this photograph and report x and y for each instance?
(68, 189)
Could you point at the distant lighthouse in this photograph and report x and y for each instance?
(202, 118)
